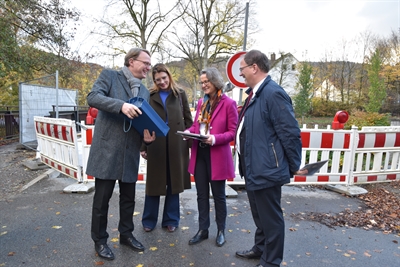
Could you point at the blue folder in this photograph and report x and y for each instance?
(148, 120)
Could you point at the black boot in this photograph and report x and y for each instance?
(220, 238)
(200, 236)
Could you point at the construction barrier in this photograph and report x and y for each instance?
(58, 145)
(366, 156)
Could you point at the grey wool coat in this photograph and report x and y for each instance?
(114, 153)
(171, 149)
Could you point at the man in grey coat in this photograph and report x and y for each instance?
(115, 150)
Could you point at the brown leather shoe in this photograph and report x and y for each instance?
(147, 229)
(171, 228)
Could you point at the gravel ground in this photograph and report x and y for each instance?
(13, 174)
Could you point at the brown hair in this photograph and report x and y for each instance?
(160, 67)
(134, 53)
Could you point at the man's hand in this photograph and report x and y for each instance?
(143, 154)
(301, 172)
(131, 111)
(147, 138)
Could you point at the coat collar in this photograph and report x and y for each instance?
(262, 86)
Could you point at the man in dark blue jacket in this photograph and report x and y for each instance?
(269, 147)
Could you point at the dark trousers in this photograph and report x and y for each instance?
(101, 199)
(171, 213)
(203, 181)
(268, 217)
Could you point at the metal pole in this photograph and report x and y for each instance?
(244, 44)
(57, 94)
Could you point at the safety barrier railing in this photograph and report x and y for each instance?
(366, 156)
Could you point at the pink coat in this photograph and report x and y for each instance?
(223, 127)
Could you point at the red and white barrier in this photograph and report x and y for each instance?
(58, 145)
(366, 156)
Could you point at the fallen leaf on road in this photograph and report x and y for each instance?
(12, 253)
(56, 227)
(153, 248)
(367, 254)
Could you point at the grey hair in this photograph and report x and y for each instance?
(134, 53)
(214, 77)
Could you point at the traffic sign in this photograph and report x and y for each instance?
(233, 72)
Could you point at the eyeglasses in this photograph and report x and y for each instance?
(205, 82)
(242, 68)
(148, 64)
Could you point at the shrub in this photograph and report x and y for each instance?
(361, 118)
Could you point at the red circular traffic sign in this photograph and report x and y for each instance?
(233, 72)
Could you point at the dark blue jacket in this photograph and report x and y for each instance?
(272, 148)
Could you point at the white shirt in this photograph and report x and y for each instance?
(255, 89)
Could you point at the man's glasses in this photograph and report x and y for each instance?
(205, 82)
(148, 64)
(242, 68)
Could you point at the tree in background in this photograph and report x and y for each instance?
(212, 30)
(302, 100)
(36, 41)
(377, 92)
(145, 28)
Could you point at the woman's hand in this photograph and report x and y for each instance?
(147, 138)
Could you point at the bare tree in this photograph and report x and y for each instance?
(140, 24)
(214, 30)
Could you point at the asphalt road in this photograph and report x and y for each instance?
(43, 226)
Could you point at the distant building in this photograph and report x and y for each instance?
(284, 71)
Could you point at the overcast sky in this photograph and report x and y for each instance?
(307, 29)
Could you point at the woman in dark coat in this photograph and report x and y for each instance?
(168, 157)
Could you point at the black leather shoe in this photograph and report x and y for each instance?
(248, 254)
(104, 251)
(259, 265)
(200, 236)
(220, 238)
(132, 243)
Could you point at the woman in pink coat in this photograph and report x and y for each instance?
(211, 160)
